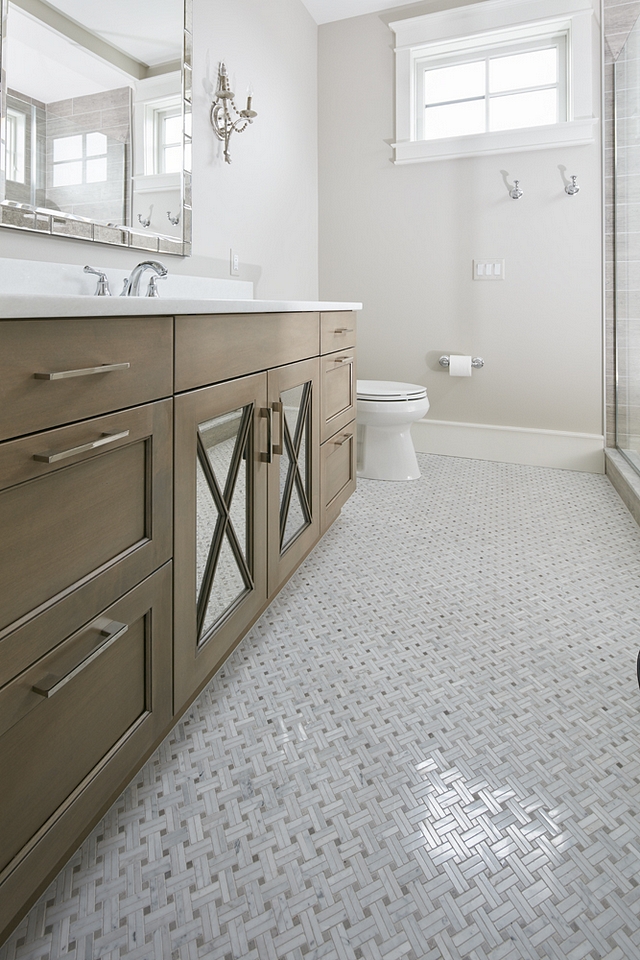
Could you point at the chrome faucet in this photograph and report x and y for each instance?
(132, 285)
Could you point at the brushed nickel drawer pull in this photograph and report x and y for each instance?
(83, 448)
(278, 407)
(268, 456)
(343, 360)
(51, 684)
(344, 330)
(343, 440)
(85, 372)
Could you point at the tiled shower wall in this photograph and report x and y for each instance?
(108, 113)
(619, 18)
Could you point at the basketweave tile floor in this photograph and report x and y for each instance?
(428, 747)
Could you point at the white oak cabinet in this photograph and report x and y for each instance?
(160, 480)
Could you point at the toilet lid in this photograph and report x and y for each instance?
(389, 390)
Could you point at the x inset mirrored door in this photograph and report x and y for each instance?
(220, 559)
(294, 479)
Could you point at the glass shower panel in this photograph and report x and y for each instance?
(627, 248)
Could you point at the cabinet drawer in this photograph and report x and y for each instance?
(215, 348)
(63, 755)
(92, 513)
(338, 472)
(338, 390)
(69, 351)
(337, 331)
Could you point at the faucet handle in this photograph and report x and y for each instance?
(152, 289)
(103, 289)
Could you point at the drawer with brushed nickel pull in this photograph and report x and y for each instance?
(60, 370)
(337, 331)
(338, 392)
(85, 513)
(75, 723)
(338, 472)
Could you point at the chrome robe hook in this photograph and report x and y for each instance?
(572, 188)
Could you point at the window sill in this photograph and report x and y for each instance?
(157, 182)
(571, 133)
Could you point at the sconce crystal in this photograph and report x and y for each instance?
(223, 108)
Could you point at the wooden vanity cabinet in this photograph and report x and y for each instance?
(150, 512)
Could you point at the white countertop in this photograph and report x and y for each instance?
(36, 306)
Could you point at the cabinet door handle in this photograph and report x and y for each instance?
(344, 330)
(343, 360)
(341, 442)
(50, 684)
(83, 448)
(85, 372)
(268, 456)
(278, 407)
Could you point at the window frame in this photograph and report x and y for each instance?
(472, 32)
(155, 112)
(16, 145)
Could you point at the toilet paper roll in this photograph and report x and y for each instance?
(459, 366)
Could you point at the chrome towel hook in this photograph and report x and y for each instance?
(516, 193)
(572, 188)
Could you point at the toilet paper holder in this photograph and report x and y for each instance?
(477, 362)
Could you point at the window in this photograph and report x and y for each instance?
(168, 124)
(515, 82)
(16, 145)
(81, 158)
(163, 136)
(502, 91)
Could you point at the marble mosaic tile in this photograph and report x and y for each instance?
(426, 749)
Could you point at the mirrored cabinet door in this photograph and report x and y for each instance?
(294, 477)
(220, 511)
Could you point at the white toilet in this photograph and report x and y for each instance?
(386, 410)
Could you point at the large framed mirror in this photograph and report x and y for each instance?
(95, 134)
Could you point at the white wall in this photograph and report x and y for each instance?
(402, 240)
(264, 204)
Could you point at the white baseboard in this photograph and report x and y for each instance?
(483, 441)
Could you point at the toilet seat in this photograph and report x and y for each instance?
(389, 390)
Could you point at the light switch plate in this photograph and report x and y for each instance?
(488, 269)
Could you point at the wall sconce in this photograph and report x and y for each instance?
(221, 119)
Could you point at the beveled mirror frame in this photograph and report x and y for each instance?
(24, 217)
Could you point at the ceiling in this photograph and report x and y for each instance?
(147, 30)
(324, 11)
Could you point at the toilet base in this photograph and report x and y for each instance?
(386, 453)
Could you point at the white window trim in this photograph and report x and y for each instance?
(153, 113)
(482, 24)
(16, 140)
